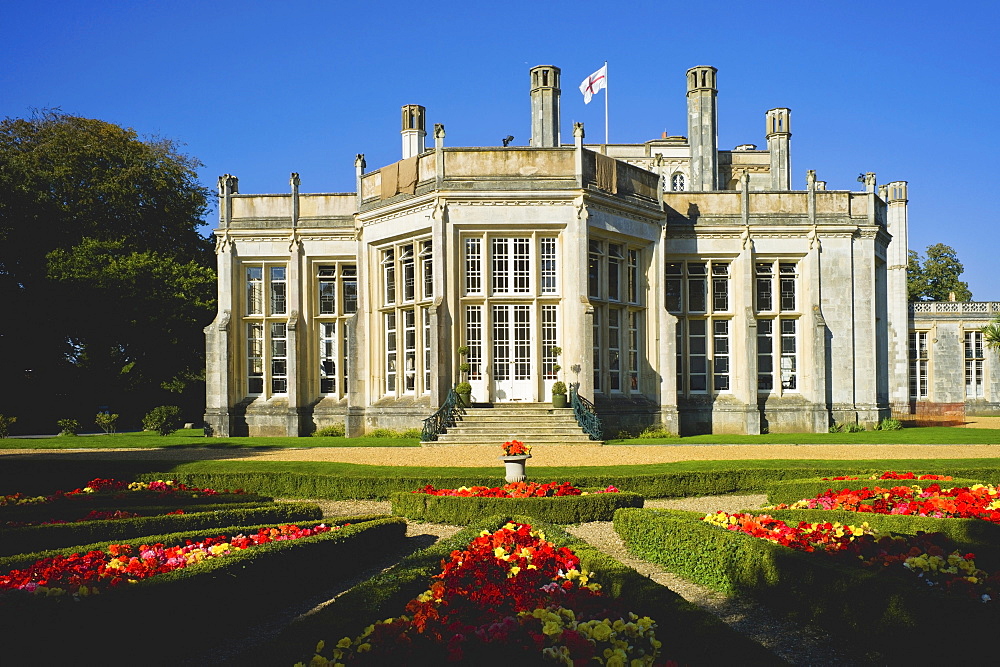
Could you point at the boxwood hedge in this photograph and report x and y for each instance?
(53, 536)
(285, 484)
(792, 490)
(219, 596)
(889, 611)
(463, 511)
(689, 634)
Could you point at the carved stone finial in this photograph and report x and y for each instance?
(438, 130)
(228, 183)
(811, 177)
(294, 179)
(870, 181)
(578, 130)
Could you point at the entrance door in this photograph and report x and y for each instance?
(512, 377)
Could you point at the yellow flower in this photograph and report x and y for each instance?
(344, 643)
(552, 628)
(513, 571)
(601, 632)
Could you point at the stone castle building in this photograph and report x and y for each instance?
(676, 283)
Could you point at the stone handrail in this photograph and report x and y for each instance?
(983, 308)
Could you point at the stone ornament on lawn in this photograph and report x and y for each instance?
(516, 455)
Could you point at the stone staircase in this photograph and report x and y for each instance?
(531, 423)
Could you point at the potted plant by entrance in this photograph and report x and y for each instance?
(559, 399)
(464, 391)
(516, 454)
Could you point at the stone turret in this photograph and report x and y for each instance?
(703, 128)
(545, 106)
(779, 136)
(414, 130)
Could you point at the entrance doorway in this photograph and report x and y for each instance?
(512, 373)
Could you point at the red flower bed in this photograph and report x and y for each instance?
(114, 488)
(930, 556)
(512, 490)
(509, 595)
(97, 571)
(894, 475)
(974, 502)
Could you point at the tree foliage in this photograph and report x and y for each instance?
(105, 278)
(934, 277)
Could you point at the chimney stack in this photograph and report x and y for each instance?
(414, 130)
(545, 106)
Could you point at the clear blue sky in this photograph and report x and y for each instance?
(909, 90)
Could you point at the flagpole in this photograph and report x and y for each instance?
(606, 89)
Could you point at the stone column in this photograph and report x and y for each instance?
(703, 128)
(898, 317)
(545, 106)
(220, 366)
(298, 335)
(779, 136)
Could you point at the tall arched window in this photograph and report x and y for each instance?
(677, 182)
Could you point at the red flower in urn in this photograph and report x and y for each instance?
(516, 448)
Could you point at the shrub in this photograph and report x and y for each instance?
(164, 419)
(651, 432)
(68, 426)
(559, 388)
(847, 427)
(332, 431)
(412, 433)
(106, 421)
(463, 388)
(5, 423)
(889, 425)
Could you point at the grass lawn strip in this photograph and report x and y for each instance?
(930, 435)
(689, 634)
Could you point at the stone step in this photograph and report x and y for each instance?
(497, 440)
(516, 433)
(534, 443)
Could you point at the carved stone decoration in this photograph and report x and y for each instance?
(294, 243)
(438, 130)
(811, 179)
(813, 236)
(294, 180)
(224, 318)
(578, 130)
(745, 239)
(223, 243)
(818, 317)
(751, 320)
(293, 320)
(359, 161)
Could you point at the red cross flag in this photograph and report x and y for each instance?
(594, 83)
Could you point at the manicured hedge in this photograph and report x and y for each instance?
(284, 484)
(689, 635)
(463, 511)
(54, 536)
(792, 490)
(886, 609)
(185, 611)
(75, 507)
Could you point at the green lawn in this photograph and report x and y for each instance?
(923, 435)
(929, 435)
(194, 438)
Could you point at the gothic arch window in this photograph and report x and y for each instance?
(677, 182)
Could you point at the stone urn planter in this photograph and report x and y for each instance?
(515, 467)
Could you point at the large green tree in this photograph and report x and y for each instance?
(934, 277)
(105, 280)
